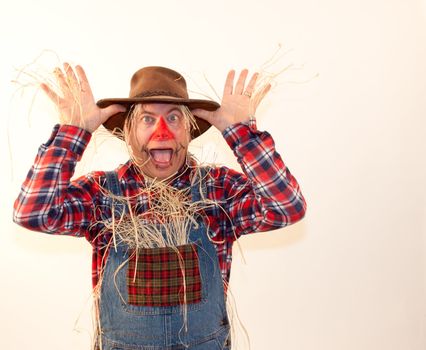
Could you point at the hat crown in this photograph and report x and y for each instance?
(158, 81)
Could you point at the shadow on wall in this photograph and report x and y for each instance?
(55, 244)
(277, 239)
(46, 244)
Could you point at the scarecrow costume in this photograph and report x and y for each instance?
(161, 294)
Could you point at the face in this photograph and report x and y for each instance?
(159, 137)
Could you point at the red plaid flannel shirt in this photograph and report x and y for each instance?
(265, 197)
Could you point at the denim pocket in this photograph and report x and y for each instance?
(131, 282)
(166, 276)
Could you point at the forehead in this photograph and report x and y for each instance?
(157, 108)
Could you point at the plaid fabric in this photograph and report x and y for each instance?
(264, 198)
(164, 277)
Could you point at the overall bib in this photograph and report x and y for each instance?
(143, 305)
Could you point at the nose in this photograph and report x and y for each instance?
(161, 132)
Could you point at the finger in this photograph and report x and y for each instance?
(63, 85)
(70, 75)
(53, 96)
(252, 83)
(229, 83)
(239, 86)
(111, 110)
(265, 90)
(84, 82)
(262, 93)
(202, 113)
(81, 74)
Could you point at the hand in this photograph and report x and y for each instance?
(75, 102)
(238, 104)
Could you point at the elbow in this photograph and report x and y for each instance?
(18, 214)
(21, 219)
(31, 219)
(298, 212)
(287, 215)
(26, 220)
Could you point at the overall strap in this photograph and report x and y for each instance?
(113, 186)
(199, 186)
(112, 183)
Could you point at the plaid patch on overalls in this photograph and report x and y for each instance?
(164, 276)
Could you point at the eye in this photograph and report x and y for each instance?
(147, 119)
(173, 118)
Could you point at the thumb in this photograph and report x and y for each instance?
(109, 111)
(203, 114)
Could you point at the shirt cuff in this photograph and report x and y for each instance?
(238, 134)
(70, 137)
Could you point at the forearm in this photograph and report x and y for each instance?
(46, 200)
(273, 197)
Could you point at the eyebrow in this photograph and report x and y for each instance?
(143, 110)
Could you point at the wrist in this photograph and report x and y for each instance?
(72, 138)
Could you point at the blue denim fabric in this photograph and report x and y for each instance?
(125, 326)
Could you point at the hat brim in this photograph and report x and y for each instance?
(116, 122)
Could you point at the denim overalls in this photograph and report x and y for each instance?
(126, 324)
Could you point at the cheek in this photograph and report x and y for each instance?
(136, 144)
(141, 137)
(182, 136)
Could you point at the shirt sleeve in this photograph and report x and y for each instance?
(267, 196)
(48, 201)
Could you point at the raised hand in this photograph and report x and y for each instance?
(238, 104)
(75, 101)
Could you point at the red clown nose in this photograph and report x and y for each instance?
(161, 132)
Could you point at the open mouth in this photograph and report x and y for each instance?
(161, 156)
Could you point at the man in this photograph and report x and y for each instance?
(161, 225)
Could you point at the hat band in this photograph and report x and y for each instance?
(157, 93)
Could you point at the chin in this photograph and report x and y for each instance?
(154, 171)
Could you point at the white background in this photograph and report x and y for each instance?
(352, 274)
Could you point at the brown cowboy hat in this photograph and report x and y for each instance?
(157, 84)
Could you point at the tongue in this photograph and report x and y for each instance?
(161, 155)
